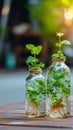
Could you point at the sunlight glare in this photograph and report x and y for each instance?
(68, 14)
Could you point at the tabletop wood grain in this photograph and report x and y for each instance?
(13, 117)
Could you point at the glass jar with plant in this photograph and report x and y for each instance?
(58, 84)
(35, 84)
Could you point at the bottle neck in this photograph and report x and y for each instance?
(35, 71)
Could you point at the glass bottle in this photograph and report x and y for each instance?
(58, 89)
(35, 94)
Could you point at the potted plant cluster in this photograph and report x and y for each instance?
(52, 97)
(35, 84)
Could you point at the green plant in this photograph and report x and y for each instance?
(59, 45)
(58, 81)
(33, 94)
(57, 86)
(36, 93)
(58, 90)
(32, 61)
(35, 85)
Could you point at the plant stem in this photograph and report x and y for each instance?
(35, 62)
(59, 42)
(59, 38)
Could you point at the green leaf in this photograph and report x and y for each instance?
(31, 60)
(34, 50)
(58, 44)
(65, 42)
(58, 75)
(41, 65)
(38, 49)
(29, 46)
(58, 55)
(54, 55)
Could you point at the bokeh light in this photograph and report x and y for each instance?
(5, 10)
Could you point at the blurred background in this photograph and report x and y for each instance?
(35, 22)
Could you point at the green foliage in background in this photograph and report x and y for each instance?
(50, 13)
(4, 33)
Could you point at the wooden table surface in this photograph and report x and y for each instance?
(12, 117)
